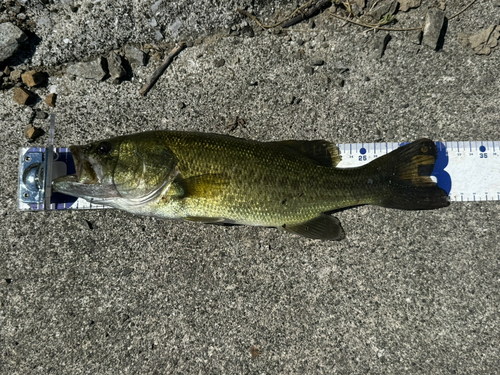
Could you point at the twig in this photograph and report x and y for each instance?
(251, 16)
(144, 90)
(390, 29)
(288, 21)
(321, 5)
(374, 26)
(463, 10)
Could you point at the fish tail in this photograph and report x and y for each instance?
(404, 178)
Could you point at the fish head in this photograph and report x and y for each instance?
(126, 169)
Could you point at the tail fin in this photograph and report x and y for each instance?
(404, 175)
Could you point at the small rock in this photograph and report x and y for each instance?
(485, 40)
(135, 56)
(318, 62)
(339, 82)
(6, 71)
(288, 38)
(405, 5)
(380, 44)
(382, 9)
(290, 99)
(416, 38)
(441, 5)
(309, 70)
(320, 38)
(299, 42)
(90, 70)
(189, 44)
(434, 21)
(252, 83)
(158, 37)
(247, 31)
(11, 37)
(325, 45)
(219, 63)
(33, 78)
(32, 133)
(360, 3)
(181, 105)
(15, 75)
(51, 100)
(116, 70)
(23, 96)
(41, 115)
(311, 24)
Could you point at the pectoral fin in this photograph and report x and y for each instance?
(203, 186)
(323, 227)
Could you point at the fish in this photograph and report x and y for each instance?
(294, 185)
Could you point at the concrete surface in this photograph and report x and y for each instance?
(406, 292)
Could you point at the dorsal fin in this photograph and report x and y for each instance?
(320, 152)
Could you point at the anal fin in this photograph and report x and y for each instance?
(323, 227)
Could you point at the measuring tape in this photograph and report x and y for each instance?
(467, 171)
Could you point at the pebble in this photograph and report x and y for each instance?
(90, 70)
(340, 82)
(11, 38)
(135, 56)
(116, 70)
(51, 100)
(32, 133)
(380, 43)
(416, 38)
(485, 40)
(181, 105)
(23, 96)
(247, 31)
(434, 21)
(318, 62)
(299, 42)
(405, 5)
(289, 99)
(39, 114)
(33, 78)
(219, 63)
(309, 70)
(189, 44)
(15, 75)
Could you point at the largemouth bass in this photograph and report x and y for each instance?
(214, 178)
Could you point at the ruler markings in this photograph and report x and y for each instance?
(472, 176)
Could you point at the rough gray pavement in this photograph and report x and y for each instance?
(108, 292)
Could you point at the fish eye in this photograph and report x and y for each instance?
(103, 148)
